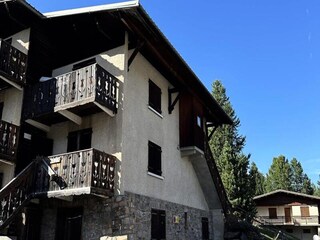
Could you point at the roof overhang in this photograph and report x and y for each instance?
(157, 49)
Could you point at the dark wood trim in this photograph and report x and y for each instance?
(135, 52)
(171, 91)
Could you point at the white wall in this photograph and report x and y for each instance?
(179, 183)
(21, 41)
(8, 172)
(12, 105)
(126, 135)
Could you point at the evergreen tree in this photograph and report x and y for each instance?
(257, 180)
(300, 181)
(226, 145)
(279, 175)
(296, 175)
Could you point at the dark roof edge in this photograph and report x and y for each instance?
(287, 192)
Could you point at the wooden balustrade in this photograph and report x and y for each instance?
(88, 84)
(79, 171)
(13, 63)
(9, 134)
(16, 194)
(83, 86)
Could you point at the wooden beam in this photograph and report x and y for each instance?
(135, 52)
(71, 116)
(17, 86)
(103, 108)
(38, 125)
(172, 103)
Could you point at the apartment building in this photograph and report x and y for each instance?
(104, 129)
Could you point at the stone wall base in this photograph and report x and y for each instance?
(128, 217)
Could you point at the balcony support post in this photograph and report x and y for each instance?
(106, 110)
(17, 86)
(71, 116)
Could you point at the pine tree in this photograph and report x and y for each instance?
(257, 180)
(279, 175)
(296, 175)
(226, 145)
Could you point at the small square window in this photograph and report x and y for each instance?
(154, 158)
(158, 224)
(154, 96)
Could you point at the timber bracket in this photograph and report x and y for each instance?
(135, 52)
(214, 128)
(172, 102)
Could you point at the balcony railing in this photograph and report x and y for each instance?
(71, 90)
(13, 63)
(9, 134)
(293, 220)
(81, 172)
(88, 84)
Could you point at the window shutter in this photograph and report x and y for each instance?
(154, 158)
(305, 211)
(154, 96)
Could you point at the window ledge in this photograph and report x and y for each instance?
(155, 175)
(156, 112)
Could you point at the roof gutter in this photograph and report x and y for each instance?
(28, 6)
(114, 6)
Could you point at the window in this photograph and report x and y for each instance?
(79, 140)
(154, 97)
(205, 228)
(273, 213)
(154, 158)
(306, 230)
(158, 224)
(199, 121)
(304, 211)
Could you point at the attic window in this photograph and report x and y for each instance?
(154, 97)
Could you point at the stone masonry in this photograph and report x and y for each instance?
(128, 215)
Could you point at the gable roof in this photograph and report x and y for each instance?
(133, 18)
(281, 197)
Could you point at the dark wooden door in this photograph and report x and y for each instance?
(287, 215)
(69, 223)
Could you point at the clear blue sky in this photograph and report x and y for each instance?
(267, 55)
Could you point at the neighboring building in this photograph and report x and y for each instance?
(294, 213)
(117, 122)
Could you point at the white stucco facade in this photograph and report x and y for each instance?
(126, 135)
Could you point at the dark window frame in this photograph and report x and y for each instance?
(272, 213)
(158, 224)
(155, 96)
(205, 228)
(154, 158)
(77, 140)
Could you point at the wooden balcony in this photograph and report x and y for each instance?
(74, 94)
(9, 134)
(294, 220)
(82, 172)
(13, 66)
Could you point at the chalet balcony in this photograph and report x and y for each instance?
(87, 171)
(294, 220)
(9, 134)
(13, 66)
(74, 94)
